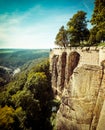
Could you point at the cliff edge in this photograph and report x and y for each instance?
(80, 86)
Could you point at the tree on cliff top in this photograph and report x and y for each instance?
(98, 17)
(98, 22)
(76, 32)
(61, 38)
(77, 28)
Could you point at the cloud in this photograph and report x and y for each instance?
(35, 28)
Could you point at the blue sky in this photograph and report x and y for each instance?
(35, 23)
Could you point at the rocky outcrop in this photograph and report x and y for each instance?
(81, 90)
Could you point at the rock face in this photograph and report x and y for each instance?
(62, 67)
(81, 90)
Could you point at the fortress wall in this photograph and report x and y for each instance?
(81, 90)
(89, 57)
(92, 55)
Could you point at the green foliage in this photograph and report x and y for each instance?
(92, 38)
(38, 78)
(100, 36)
(98, 22)
(61, 38)
(98, 16)
(76, 32)
(5, 98)
(37, 83)
(101, 44)
(21, 116)
(8, 119)
(54, 104)
(53, 120)
(77, 28)
(30, 97)
(6, 116)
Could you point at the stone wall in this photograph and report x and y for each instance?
(88, 55)
(78, 81)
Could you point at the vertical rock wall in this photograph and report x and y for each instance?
(62, 67)
(81, 90)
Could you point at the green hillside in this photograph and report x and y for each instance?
(13, 58)
(27, 102)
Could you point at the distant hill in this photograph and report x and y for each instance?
(14, 58)
(13, 61)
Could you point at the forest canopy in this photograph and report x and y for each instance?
(26, 101)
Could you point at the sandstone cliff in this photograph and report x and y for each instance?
(81, 90)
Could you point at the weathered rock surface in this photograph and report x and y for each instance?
(62, 67)
(81, 90)
(80, 100)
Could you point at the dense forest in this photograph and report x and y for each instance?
(27, 101)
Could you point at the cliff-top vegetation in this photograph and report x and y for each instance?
(76, 32)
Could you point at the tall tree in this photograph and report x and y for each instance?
(77, 28)
(92, 38)
(98, 21)
(61, 38)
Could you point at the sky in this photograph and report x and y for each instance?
(34, 24)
